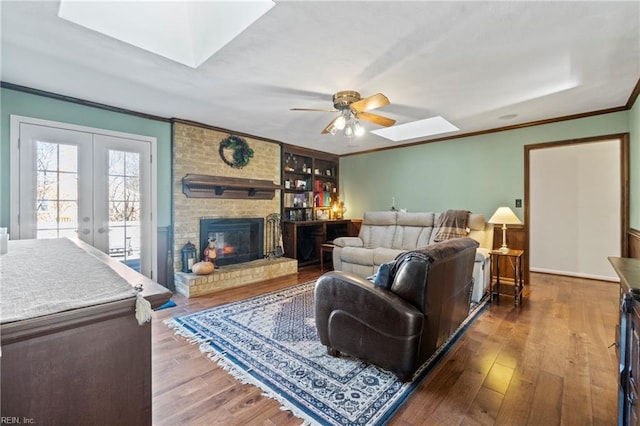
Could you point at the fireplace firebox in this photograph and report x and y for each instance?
(237, 240)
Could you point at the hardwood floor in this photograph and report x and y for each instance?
(546, 363)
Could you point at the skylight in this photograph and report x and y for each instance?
(188, 32)
(416, 129)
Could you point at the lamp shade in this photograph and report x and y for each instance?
(505, 216)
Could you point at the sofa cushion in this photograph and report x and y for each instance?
(411, 237)
(476, 222)
(348, 242)
(413, 230)
(377, 235)
(378, 229)
(479, 231)
(416, 219)
(357, 255)
(383, 254)
(380, 218)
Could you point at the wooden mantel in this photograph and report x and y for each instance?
(204, 186)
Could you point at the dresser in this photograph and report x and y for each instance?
(73, 351)
(628, 339)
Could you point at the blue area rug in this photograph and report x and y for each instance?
(270, 341)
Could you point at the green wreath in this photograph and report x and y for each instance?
(242, 153)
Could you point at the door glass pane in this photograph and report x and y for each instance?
(68, 158)
(56, 190)
(124, 207)
(116, 188)
(47, 156)
(116, 163)
(47, 186)
(68, 186)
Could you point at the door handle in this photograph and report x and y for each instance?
(102, 230)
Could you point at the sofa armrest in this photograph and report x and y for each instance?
(482, 254)
(356, 297)
(348, 242)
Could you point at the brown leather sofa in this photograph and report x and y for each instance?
(398, 328)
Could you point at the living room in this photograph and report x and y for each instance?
(483, 169)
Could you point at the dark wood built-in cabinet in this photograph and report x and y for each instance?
(310, 182)
(303, 239)
(310, 203)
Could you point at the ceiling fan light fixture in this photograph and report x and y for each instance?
(348, 130)
(352, 108)
(359, 130)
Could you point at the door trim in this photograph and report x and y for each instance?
(624, 185)
(14, 197)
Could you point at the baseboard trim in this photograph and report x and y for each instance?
(575, 274)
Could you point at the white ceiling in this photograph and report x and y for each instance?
(469, 62)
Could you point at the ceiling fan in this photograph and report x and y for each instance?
(353, 108)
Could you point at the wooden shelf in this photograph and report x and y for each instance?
(318, 172)
(204, 186)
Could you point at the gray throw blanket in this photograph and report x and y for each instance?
(452, 224)
(43, 277)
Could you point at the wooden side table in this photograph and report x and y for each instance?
(325, 248)
(518, 284)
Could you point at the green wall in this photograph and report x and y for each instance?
(478, 173)
(29, 105)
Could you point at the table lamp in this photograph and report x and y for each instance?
(504, 216)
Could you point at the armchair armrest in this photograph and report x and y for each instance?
(348, 242)
(378, 308)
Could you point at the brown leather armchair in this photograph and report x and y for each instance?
(398, 328)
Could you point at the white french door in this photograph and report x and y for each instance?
(87, 183)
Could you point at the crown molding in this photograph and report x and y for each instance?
(56, 96)
(634, 95)
(496, 130)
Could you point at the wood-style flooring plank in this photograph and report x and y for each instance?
(546, 404)
(484, 408)
(546, 362)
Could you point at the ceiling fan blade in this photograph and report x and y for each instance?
(329, 126)
(313, 109)
(372, 102)
(375, 118)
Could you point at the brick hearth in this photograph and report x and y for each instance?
(195, 151)
(192, 285)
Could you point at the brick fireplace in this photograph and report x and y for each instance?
(195, 151)
(236, 240)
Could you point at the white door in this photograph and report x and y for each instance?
(74, 182)
(575, 208)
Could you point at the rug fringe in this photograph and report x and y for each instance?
(239, 374)
(186, 334)
(247, 379)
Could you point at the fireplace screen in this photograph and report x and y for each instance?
(235, 240)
